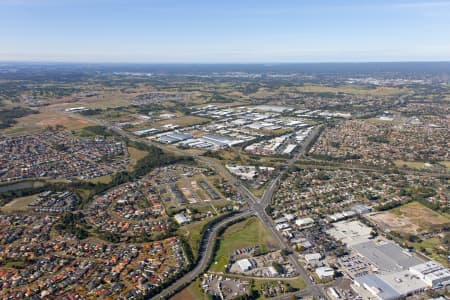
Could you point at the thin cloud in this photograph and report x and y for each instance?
(424, 4)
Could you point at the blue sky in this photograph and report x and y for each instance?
(224, 30)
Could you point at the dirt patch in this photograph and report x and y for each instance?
(66, 121)
(411, 218)
(185, 294)
(391, 222)
(38, 122)
(18, 205)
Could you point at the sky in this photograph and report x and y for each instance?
(221, 31)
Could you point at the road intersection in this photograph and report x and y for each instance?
(257, 207)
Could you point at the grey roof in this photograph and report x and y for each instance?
(180, 136)
(173, 137)
(167, 139)
(388, 257)
(386, 292)
(219, 138)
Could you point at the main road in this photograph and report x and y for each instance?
(257, 207)
(205, 254)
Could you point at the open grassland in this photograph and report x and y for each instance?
(18, 205)
(410, 164)
(350, 89)
(411, 218)
(107, 100)
(37, 122)
(237, 156)
(135, 156)
(420, 215)
(434, 248)
(445, 164)
(248, 233)
(192, 234)
(191, 292)
(102, 179)
(183, 121)
(118, 115)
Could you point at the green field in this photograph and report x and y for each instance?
(351, 89)
(135, 155)
(191, 292)
(19, 204)
(248, 233)
(102, 179)
(413, 218)
(192, 234)
(410, 164)
(445, 163)
(434, 248)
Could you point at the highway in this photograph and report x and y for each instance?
(257, 207)
(205, 255)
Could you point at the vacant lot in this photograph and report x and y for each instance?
(410, 164)
(192, 233)
(411, 218)
(445, 163)
(38, 122)
(135, 156)
(191, 292)
(184, 121)
(18, 205)
(414, 219)
(248, 233)
(351, 89)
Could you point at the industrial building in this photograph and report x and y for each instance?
(245, 264)
(394, 272)
(432, 273)
(325, 273)
(389, 286)
(303, 223)
(173, 137)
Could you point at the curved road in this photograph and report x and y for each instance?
(257, 206)
(205, 254)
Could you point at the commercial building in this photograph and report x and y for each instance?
(181, 218)
(387, 256)
(432, 273)
(389, 286)
(372, 286)
(304, 222)
(245, 264)
(325, 273)
(313, 258)
(173, 137)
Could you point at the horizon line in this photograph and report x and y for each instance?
(218, 62)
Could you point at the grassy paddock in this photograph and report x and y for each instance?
(191, 292)
(192, 233)
(410, 164)
(248, 233)
(135, 156)
(19, 204)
